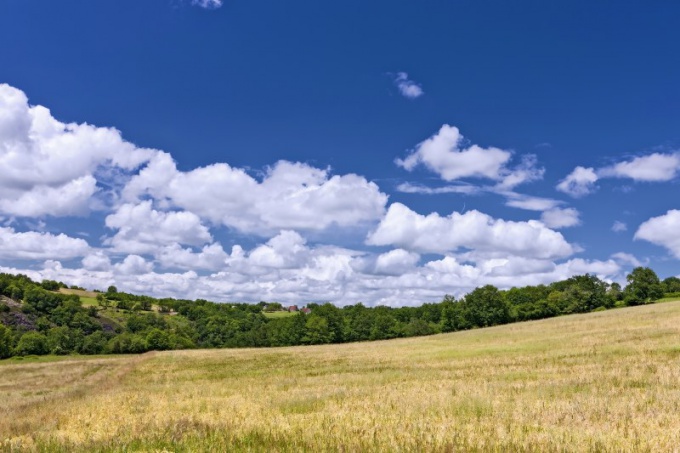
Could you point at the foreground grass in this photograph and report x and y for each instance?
(607, 381)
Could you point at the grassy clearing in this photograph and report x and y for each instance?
(278, 314)
(87, 298)
(606, 381)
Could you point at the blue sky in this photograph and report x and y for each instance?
(383, 152)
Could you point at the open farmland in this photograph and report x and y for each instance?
(606, 381)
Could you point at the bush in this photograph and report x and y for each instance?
(94, 344)
(5, 342)
(32, 343)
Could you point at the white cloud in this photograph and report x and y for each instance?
(560, 218)
(445, 154)
(289, 196)
(134, 265)
(654, 167)
(530, 203)
(211, 257)
(466, 189)
(142, 229)
(408, 88)
(474, 230)
(97, 261)
(657, 167)
(32, 245)
(526, 171)
(207, 4)
(51, 168)
(619, 226)
(663, 230)
(627, 259)
(328, 274)
(579, 182)
(396, 262)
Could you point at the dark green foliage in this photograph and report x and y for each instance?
(671, 285)
(316, 330)
(485, 307)
(94, 344)
(51, 285)
(63, 340)
(5, 342)
(643, 287)
(157, 340)
(32, 343)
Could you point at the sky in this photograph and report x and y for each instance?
(383, 152)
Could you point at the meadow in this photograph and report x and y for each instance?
(605, 381)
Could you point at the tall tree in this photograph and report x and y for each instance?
(643, 287)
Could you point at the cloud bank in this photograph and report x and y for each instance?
(166, 230)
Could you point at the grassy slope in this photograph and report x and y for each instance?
(86, 297)
(607, 381)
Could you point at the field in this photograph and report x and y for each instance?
(87, 298)
(606, 381)
(278, 314)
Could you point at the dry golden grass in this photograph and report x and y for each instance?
(607, 381)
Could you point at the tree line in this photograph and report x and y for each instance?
(36, 319)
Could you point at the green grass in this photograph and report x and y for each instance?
(667, 299)
(279, 314)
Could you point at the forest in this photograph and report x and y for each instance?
(38, 318)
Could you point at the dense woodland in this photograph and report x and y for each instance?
(37, 319)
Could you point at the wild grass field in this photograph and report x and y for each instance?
(606, 381)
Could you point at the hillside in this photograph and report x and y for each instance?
(605, 381)
(42, 318)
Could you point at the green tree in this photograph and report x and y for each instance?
(157, 340)
(62, 340)
(485, 307)
(32, 343)
(316, 330)
(94, 344)
(5, 342)
(643, 287)
(671, 285)
(50, 285)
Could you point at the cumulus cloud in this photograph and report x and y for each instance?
(579, 182)
(211, 257)
(657, 167)
(445, 153)
(289, 196)
(142, 229)
(408, 88)
(663, 230)
(329, 274)
(51, 168)
(654, 167)
(97, 261)
(560, 218)
(134, 265)
(160, 242)
(402, 227)
(32, 245)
